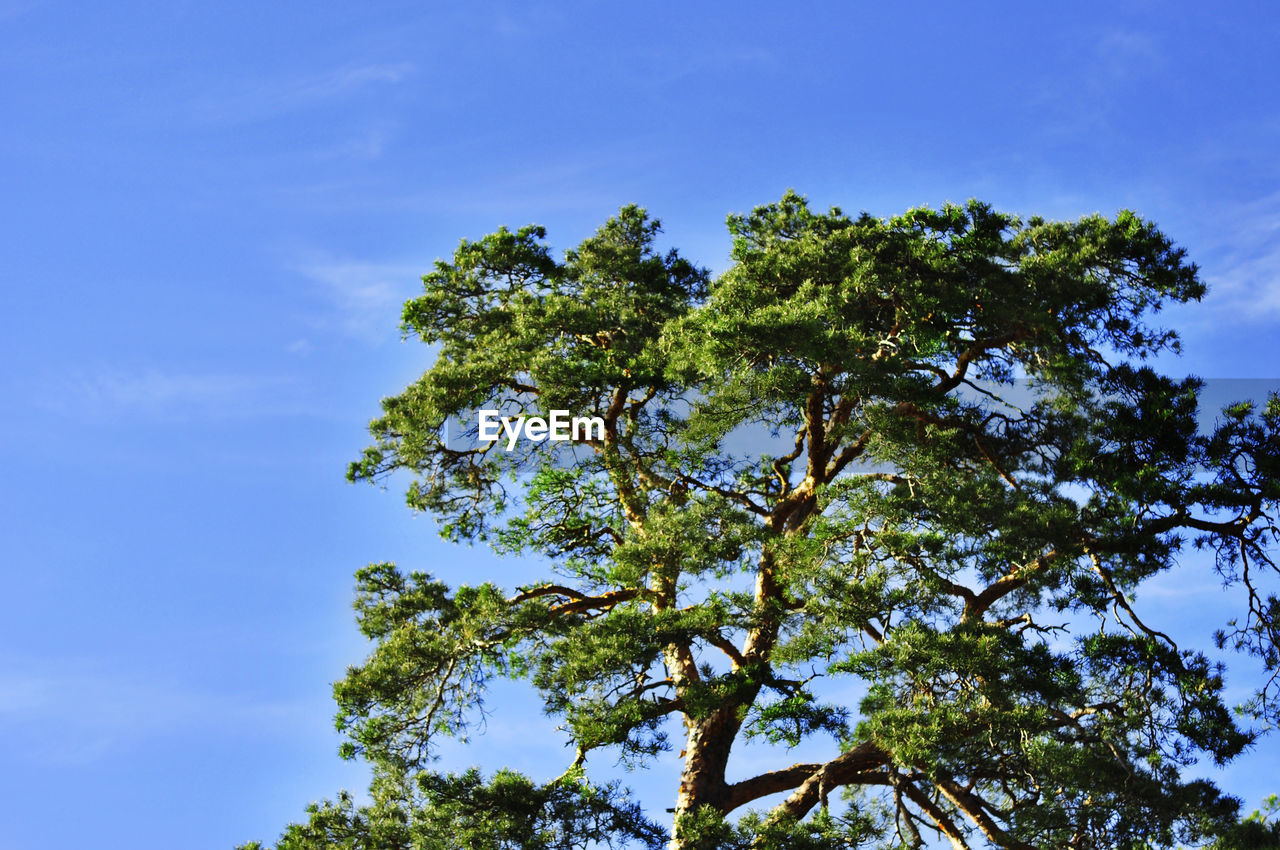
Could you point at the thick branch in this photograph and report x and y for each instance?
(848, 768)
(578, 602)
(975, 608)
(748, 790)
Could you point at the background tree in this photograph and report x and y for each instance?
(977, 473)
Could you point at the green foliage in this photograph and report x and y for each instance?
(973, 475)
(451, 812)
(1259, 831)
(706, 829)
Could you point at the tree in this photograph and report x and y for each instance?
(977, 473)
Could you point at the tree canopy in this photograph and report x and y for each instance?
(975, 471)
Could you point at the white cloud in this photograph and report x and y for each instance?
(46, 717)
(677, 67)
(367, 145)
(171, 394)
(259, 99)
(363, 299)
(10, 9)
(1242, 265)
(1123, 54)
(22, 694)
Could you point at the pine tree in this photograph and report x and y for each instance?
(975, 471)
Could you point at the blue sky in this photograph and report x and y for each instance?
(211, 212)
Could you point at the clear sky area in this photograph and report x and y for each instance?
(210, 214)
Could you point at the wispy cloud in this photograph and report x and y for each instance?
(45, 711)
(154, 392)
(529, 20)
(10, 9)
(677, 66)
(1090, 100)
(1243, 266)
(367, 145)
(258, 99)
(1127, 54)
(362, 299)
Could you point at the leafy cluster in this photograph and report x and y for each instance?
(970, 474)
(446, 812)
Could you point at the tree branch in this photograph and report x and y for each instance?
(975, 808)
(810, 781)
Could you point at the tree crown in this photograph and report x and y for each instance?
(971, 473)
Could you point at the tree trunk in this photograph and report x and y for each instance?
(706, 756)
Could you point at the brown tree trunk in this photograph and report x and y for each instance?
(706, 756)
